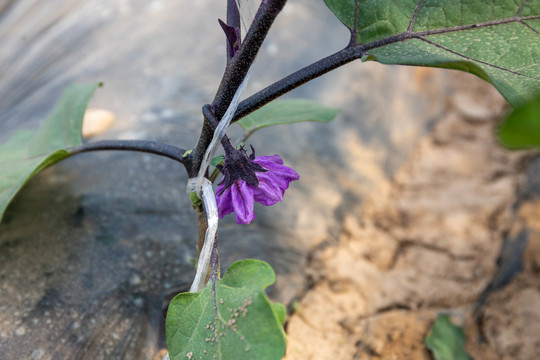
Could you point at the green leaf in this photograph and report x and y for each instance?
(281, 312)
(236, 322)
(498, 41)
(447, 341)
(286, 112)
(217, 160)
(521, 129)
(28, 152)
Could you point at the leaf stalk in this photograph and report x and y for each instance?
(151, 147)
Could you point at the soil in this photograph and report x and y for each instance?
(428, 242)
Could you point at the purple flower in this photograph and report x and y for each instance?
(240, 189)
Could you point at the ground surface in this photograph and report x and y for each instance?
(401, 212)
(430, 241)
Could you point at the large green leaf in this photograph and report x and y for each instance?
(28, 152)
(236, 322)
(497, 40)
(287, 112)
(521, 129)
(447, 341)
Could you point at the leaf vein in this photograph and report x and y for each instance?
(530, 27)
(520, 7)
(415, 14)
(476, 60)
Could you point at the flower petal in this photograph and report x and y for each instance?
(274, 164)
(242, 201)
(224, 201)
(276, 159)
(239, 196)
(269, 191)
(274, 182)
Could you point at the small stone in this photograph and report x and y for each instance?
(471, 109)
(37, 354)
(134, 280)
(96, 122)
(20, 331)
(139, 302)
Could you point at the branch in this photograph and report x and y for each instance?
(350, 53)
(235, 72)
(152, 147)
(302, 76)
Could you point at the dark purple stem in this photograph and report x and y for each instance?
(235, 73)
(296, 79)
(237, 69)
(152, 147)
(211, 117)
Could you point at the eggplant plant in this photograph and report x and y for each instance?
(229, 316)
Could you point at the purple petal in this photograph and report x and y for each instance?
(237, 198)
(274, 182)
(242, 202)
(269, 159)
(269, 191)
(274, 164)
(224, 201)
(240, 196)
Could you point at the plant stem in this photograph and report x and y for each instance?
(215, 262)
(296, 79)
(235, 72)
(152, 147)
(351, 52)
(202, 226)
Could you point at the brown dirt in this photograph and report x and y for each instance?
(428, 243)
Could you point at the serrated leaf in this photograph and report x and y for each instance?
(521, 129)
(447, 341)
(286, 112)
(498, 41)
(28, 152)
(238, 322)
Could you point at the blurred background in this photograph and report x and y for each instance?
(93, 249)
